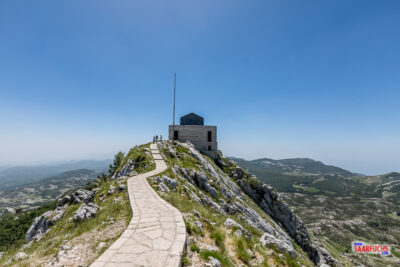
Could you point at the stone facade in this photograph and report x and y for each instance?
(203, 137)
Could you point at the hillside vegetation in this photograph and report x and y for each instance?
(222, 220)
(312, 177)
(338, 206)
(70, 240)
(232, 218)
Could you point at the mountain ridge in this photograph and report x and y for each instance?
(305, 165)
(18, 175)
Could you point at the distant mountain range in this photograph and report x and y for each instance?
(19, 175)
(303, 175)
(295, 165)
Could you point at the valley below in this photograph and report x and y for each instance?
(338, 221)
(338, 206)
(31, 187)
(37, 193)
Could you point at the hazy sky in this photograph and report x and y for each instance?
(318, 79)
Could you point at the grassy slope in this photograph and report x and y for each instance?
(232, 251)
(106, 226)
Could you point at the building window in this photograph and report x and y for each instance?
(176, 135)
(209, 136)
(209, 148)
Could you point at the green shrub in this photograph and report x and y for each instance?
(194, 248)
(395, 253)
(241, 250)
(219, 236)
(14, 227)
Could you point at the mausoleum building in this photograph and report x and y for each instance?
(192, 129)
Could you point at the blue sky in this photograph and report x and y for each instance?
(318, 79)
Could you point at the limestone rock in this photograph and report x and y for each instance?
(213, 192)
(211, 248)
(101, 245)
(269, 201)
(225, 193)
(117, 200)
(37, 229)
(232, 223)
(85, 211)
(64, 200)
(194, 197)
(20, 256)
(237, 173)
(284, 247)
(165, 179)
(54, 215)
(201, 180)
(121, 187)
(125, 170)
(82, 195)
(128, 169)
(209, 202)
(213, 262)
(111, 190)
(199, 224)
(163, 188)
(237, 233)
(168, 148)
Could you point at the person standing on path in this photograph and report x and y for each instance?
(160, 137)
(156, 138)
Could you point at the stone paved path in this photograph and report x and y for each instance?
(156, 234)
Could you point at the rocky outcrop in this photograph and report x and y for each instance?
(41, 223)
(111, 190)
(37, 229)
(213, 262)
(226, 196)
(85, 211)
(202, 182)
(128, 169)
(82, 195)
(64, 200)
(268, 200)
(162, 187)
(269, 240)
(54, 215)
(20, 256)
(208, 176)
(121, 187)
(165, 179)
(232, 223)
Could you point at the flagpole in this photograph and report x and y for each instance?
(173, 116)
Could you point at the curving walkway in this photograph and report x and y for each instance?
(156, 234)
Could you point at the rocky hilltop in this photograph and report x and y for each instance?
(232, 219)
(236, 197)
